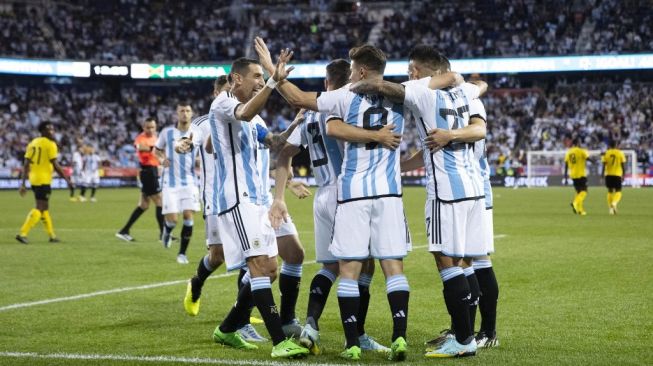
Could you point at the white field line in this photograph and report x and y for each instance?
(135, 288)
(155, 359)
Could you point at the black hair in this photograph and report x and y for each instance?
(337, 72)
(369, 56)
(44, 125)
(431, 57)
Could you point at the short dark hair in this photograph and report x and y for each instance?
(369, 56)
(612, 143)
(183, 103)
(430, 57)
(149, 119)
(337, 72)
(575, 141)
(220, 82)
(43, 125)
(241, 64)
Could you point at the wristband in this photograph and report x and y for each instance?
(271, 83)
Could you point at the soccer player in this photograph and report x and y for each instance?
(326, 160)
(179, 189)
(90, 172)
(76, 176)
(40, 159)
(246, 232)
(575, 160)
(369, 220)
(149, 177)
(614, 161)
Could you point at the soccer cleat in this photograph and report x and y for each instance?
(369, 344)
(451, 348)
(485, 341)
(74, 199)
(292, 329)
(611, 211)
(54, 240)
(573, 207)
(93, 199)
(124, 236)
(166, 239)
(310, 338)
(182, 259)
(352, 353)
(192, 307)
(254, 320)
(398, 350)
(582, 213)
(81, 198)
(22, 239)
(614, 208)
(288, 349)
(436, 342)
(232, 339)
(249, 334)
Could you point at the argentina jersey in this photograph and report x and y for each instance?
(180, 172)
(476, 109)
(91, 163)
(326, 152)
(451, 173)
(201, 130)
(263, 158)
(368, 170)
(235, 146)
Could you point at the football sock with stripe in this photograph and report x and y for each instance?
(47, 222)
(364, 282)
(138, 211)
(489, 287)
(159, 218)
(186, 234)
(289, 281)
(319, 293)
(349, 302)
(262, 294)
(398, 294)
(475, 292)
(32, 218)
(456, 297)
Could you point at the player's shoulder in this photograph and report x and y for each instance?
(200, 120)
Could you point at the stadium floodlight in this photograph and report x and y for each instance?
(542, 163)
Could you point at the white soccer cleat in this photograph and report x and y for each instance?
(310, 338)
(81, 199)
(93, 199)
(249, 334)
(369, 344)
(292, 329)
(181, 259)
(451, 348)
(124, 236)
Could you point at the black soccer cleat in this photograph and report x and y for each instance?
(22, 239)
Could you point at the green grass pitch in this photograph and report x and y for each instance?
(573, 290)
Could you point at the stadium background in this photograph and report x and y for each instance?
(572, 291)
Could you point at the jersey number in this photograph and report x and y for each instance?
(314, 129)
(612, 158)
(38, 158)
(367, 123)
(572, 158)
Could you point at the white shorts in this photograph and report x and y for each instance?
(324, 212)
(175, 200)
(488, 230)
(212, 232)
(371, 227)
(91, 179)
(456, 229)
(77, 179)
(246, 232)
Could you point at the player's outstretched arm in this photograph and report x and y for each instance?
(385, 136)
(416, 161)
(482, 86)
(393, 91)
(439, 138)
(445, 80)
(276, 141)
(279, 211)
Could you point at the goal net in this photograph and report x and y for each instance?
(547, 168)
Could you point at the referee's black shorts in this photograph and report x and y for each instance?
(613, 182)
(580, 184)
(149, 180)
(42, 192)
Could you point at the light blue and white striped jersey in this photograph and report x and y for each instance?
(181, 172)
(201, 130)
(476, 109)
(368, 170)
(235, 146)
(78, 163)
(326, 152)
(451, 175)
(263, 161)
(91, 163)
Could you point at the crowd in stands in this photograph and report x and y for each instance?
(217, 31)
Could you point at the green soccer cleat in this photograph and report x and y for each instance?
(352, 353)
(192, 307)
(289, 349)
(398, 350)
(232, 339)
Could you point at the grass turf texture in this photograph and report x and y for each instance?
(573, 290)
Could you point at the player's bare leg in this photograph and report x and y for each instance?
(292, 253)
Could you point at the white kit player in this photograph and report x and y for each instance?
(90, 172)
(179, 188)
(76, 176)
(369, 219)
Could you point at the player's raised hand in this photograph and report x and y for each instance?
(264, 56)
(184, 145)
(365, 87)
(387, 137)
(300, 117)
(280, 71)
(437, 139)
(299, 189)
(278, 213)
